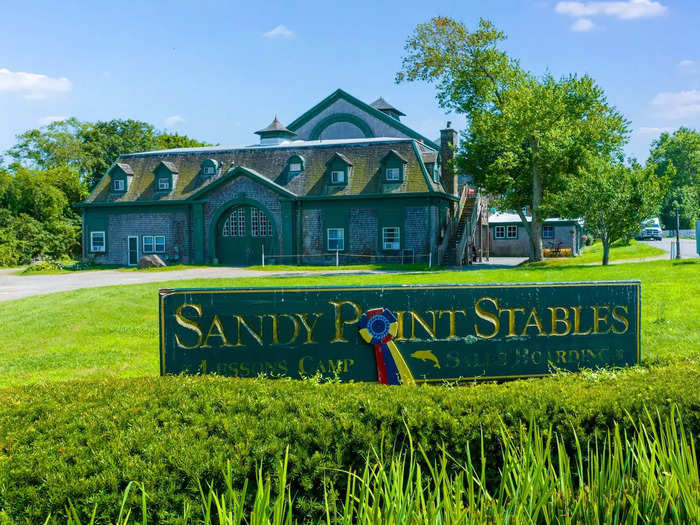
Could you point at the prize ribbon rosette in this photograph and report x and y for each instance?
(378, 327)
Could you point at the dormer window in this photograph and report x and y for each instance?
(339, 167)
(393, 166)
(295, 165)
(120, 175)
(393, 174)
(210, 167)
(165, 176)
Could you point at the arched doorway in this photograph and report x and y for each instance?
(241, 234)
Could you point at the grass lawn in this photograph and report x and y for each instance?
(113, 331)
(594, 254)
(332, 268)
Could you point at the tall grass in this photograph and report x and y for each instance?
(651, 477)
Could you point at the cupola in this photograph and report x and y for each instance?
(383, 106)
(274, 134)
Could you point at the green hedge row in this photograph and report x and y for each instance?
(84, 441)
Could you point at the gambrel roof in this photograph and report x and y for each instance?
(271, 164)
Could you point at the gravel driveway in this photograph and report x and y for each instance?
(688, 247)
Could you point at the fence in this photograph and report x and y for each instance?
(683, 233)
(339, 258)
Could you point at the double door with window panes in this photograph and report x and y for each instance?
(242, 234)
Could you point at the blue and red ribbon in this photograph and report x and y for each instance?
(378, 327)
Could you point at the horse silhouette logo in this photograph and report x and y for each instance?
(426, 355)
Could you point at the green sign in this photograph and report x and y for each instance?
(400, 334)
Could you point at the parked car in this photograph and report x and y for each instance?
(652, 233)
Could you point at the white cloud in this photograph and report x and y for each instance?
(279, 32)
(650, 131)
(624, 10)
(677, 105)
(582, 25)
(32, 85)
(688, 66)
(45, 121)
(174, 120)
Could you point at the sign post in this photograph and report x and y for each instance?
(401, 334)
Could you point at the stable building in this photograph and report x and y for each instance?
(509, 238)
(345, 181)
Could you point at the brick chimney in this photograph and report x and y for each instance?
(448, 146)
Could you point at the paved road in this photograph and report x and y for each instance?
(14, 286)
(688, 248)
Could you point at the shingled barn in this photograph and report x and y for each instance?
(345, 181)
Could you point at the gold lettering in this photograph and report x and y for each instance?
(451, 314)
(556, 320)
(189, 324)
(577, 322)
(533, 320)
(275, 328)
(302, 370)
(597, 318)
(511, 319)
(621, 318)
(487, 316)
(415, 317)
(216, 323)
(309, 327)
(339, 322)
(258, 336)
(561, 356)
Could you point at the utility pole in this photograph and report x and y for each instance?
(678, 234)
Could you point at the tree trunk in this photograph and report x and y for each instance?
(535, 229)
(606, 250)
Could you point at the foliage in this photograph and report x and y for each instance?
(36, 217)
(50, 266)
(613, 199)
(84, 441)
(96, 342)
(91, 148)
(677, 157)
(526, 135)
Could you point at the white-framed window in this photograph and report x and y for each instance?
(295, 167)
(548, 231)
(512, 232)
(208, 170)
(393, 174)
(97, 242)
(391, 238)
(154, 244)
(499, 232)
(336, 239)
(235, 224)
(118, 184)
(337, 177)
(163, 183)
(260, 225)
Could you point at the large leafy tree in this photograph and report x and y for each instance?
(613, 199)
(91, 148)
(527, 135)
(677, 157)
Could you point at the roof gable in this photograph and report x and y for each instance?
(340, 94)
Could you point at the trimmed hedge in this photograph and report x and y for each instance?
(84, 441)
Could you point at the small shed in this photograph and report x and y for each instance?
(509, 238)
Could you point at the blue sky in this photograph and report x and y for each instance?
(218, 71)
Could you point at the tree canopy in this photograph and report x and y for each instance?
(527, 135)
(91, 147)
(677, 157)
(53, 168)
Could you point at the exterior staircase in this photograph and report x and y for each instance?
(450, 256)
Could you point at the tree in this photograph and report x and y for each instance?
(91, 148)
(613, 199)
(526, 135)
(677, 157)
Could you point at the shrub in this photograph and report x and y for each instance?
(84, 441)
